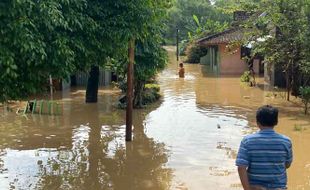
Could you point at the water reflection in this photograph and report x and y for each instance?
(92, 155)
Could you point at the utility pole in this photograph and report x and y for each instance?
(177, 45)
(130, 70)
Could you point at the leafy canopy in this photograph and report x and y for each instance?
(42, 38)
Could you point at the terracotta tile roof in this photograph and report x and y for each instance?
(227, 36)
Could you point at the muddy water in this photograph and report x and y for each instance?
(187, 141)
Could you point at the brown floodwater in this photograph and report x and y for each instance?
(188, 140)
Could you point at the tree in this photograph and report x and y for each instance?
(230, 6)
(305, 97)
(285, 21)
(42, 38)
(150, 58)
(181, 17)
(59, 37)
(305, 66)
(129, 21)
(204, 29)
(103, 42)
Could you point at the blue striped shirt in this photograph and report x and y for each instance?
(265, 154)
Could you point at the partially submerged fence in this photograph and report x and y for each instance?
(42, 107)
(104, 78)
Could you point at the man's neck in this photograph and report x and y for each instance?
(265, 128)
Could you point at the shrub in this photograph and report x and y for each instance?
(298, 128)
(151, 93)
(156, 87)
(305, 97)
(183, 47)
(246, 77)
(194, 52)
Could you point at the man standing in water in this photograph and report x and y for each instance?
(263, 157)
(181, 71)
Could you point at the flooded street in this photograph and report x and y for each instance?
(188, 140)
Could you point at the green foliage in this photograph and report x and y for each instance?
(134, 18)
(150, 58)
(282, 36)
(156, 87)
(144, 24)
(42, 38)
(182, 47)
(151, 93)
(305, 62)
(194, 52)
(196, 20)
(230, 6)
(181, 17)
(207, 28)
(305, 97)
(245, 77)
(298, 128)
(284, 47)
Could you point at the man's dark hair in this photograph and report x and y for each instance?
(267, 116)
(181, 64)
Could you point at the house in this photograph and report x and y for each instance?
(223, 57)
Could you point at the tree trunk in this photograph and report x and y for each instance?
(288, 84)
(73, 80)
(138, 101)
(296, 83)
(296, 76)
(288, 81)
(92, 85)
(130, 70)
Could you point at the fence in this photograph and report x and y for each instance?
(104, 78)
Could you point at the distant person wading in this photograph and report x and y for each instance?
(181, 71)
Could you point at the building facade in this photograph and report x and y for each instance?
(225, 57)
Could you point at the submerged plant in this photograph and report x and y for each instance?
(151, 93)
(156, 87)
(305, 97)
(246, 77)
(298, 127)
